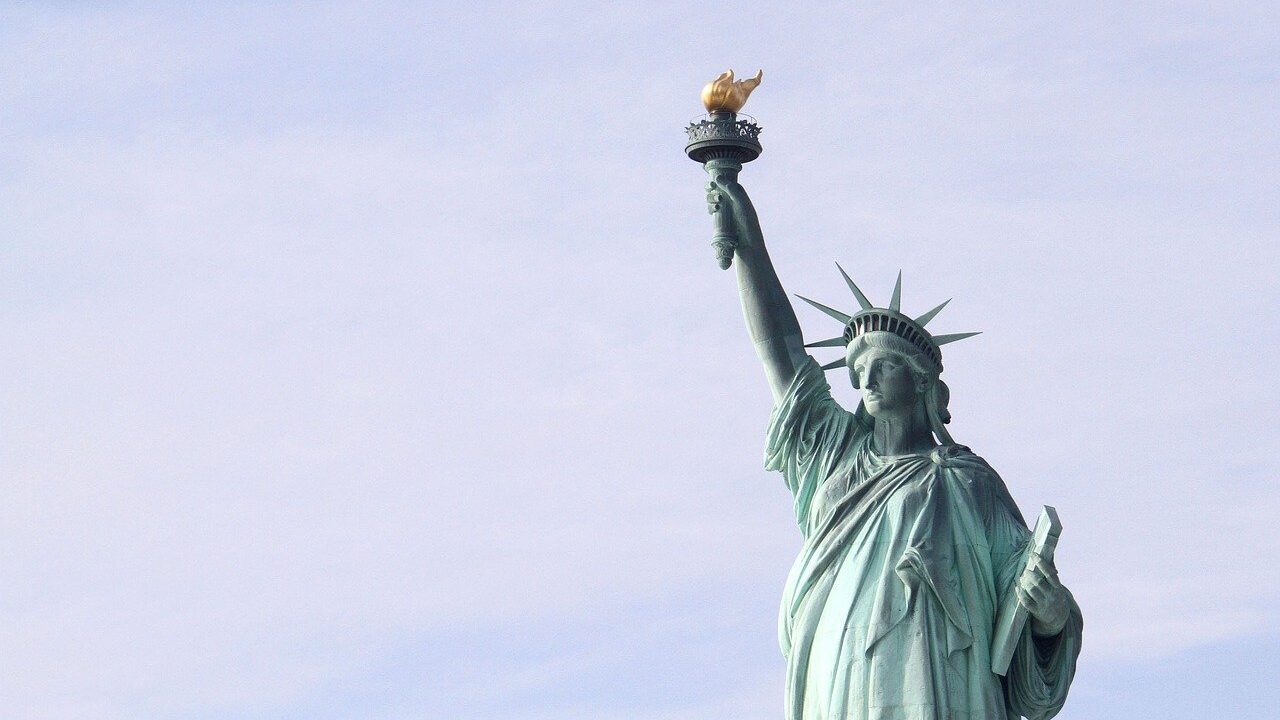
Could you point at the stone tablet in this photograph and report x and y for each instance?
(1013, 616)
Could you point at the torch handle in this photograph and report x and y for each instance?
(724, 240)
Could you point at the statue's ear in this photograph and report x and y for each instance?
(941, 396)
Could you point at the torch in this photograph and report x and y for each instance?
(722, 142)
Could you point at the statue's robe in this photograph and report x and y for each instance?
(890, 609)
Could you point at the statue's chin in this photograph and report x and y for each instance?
(879, 411)
(874, 410)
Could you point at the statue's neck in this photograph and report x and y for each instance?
(903, 436)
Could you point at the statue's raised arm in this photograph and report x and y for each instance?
(722, 142)
(770, 317)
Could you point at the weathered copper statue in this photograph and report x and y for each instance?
(912, 544)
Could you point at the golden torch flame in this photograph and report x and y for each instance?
(725, 95)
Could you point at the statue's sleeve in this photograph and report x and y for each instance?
(809, 436)
(1042, 668)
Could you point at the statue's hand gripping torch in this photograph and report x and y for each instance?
(722, 143)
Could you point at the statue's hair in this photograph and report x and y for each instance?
(936, 394)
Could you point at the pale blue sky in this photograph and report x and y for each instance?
(370, 360)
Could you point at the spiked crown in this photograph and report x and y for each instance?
(890, 319)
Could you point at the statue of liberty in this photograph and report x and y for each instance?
(912, 543)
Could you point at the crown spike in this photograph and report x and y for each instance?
(832, 312)
(925, 318)
(862, 299)
(895, 302)
(832, 342)
(834, 364)
(944, 339)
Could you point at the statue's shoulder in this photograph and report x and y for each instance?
(984, 485)
(956, 456)
(965, 462)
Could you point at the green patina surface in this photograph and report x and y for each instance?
(919, 593)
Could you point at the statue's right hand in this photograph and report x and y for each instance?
(714, 197)
(732, 197)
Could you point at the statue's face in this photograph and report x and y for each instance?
(889, 388)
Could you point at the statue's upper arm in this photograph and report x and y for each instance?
(782, 358)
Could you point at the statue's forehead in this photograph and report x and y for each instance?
(870, 354)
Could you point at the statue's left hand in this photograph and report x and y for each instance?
(1044, 597)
